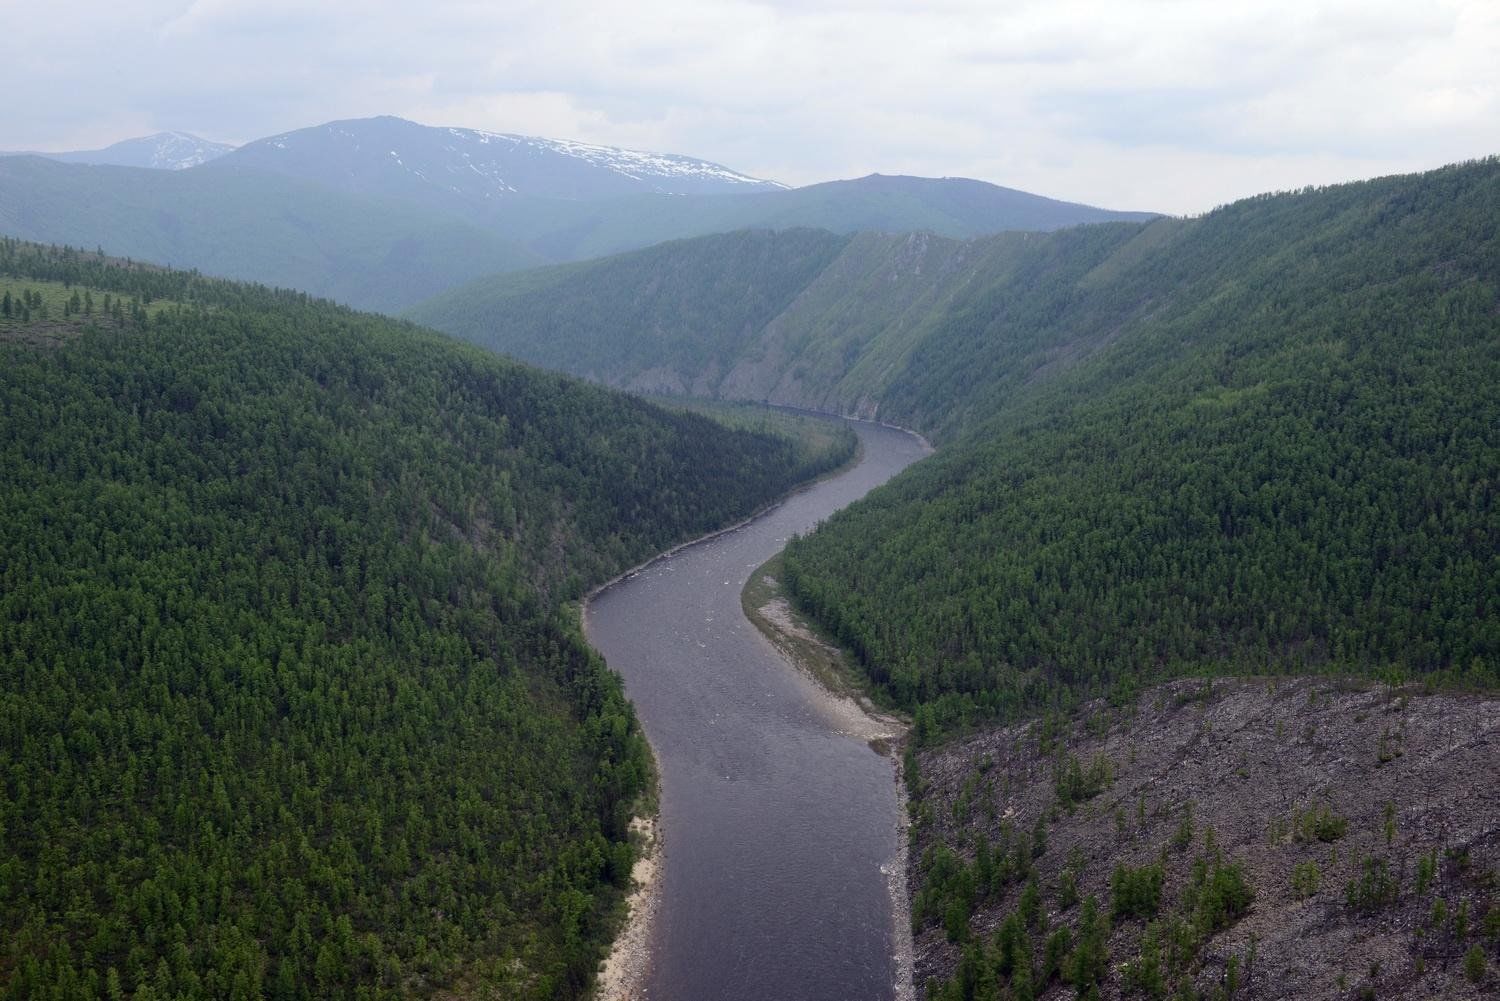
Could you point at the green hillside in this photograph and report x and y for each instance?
(919, 328)
(1282, 461)
(680, 309)
(255, 227)
(289, 703)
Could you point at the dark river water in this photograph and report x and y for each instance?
(779, 829)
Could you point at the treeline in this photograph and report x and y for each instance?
(1284, 462)
(289, 706)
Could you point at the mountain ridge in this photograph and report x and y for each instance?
(477, 165)
(159, 151)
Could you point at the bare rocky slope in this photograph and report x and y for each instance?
(1363, 821)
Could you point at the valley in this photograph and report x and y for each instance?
(312, 683)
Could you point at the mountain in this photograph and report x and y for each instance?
(1256, 441)
(801, 318)
(673, 318)
(162, 151)
(953, 207)
(468, 170)
(570, 201)
(289, 699)
(251, 226)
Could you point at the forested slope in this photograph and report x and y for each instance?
(828, 322)
(1283, 461)
(289, 706)
(675, 316)
(1257, 439)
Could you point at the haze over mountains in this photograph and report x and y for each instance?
(460, 169)
(381, 213)
(162, 151)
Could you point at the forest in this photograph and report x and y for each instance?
(1282, 460)
(292, 703)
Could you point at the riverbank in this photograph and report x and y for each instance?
(623, 975)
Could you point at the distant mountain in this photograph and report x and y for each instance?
(381, 213)
(163, 151)
(377, 254)
(572, 201)
(950, 206)
(466, 169)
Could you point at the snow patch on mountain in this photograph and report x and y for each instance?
(637, 165)
(179, 150)
(386, 155)
(162, 151)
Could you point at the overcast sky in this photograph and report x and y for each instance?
(1170, 105)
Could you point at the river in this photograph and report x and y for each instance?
(779, 827)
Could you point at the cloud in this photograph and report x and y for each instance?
(1167, 104)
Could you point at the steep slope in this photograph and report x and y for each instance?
(671, 318)
(843, 340)
(162, 151)
(289, 705)
(256, 227)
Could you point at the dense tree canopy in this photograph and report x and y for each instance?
(289, 704)
(1284, 460)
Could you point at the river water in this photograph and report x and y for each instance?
(779, 829)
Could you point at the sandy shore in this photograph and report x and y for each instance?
(623, 976)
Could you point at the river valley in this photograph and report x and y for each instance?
(779, 822)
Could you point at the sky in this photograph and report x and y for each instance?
(1164, 105)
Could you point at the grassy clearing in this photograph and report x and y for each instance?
(46, 312)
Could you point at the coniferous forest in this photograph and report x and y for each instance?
(290, 704)
(1282, 459)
